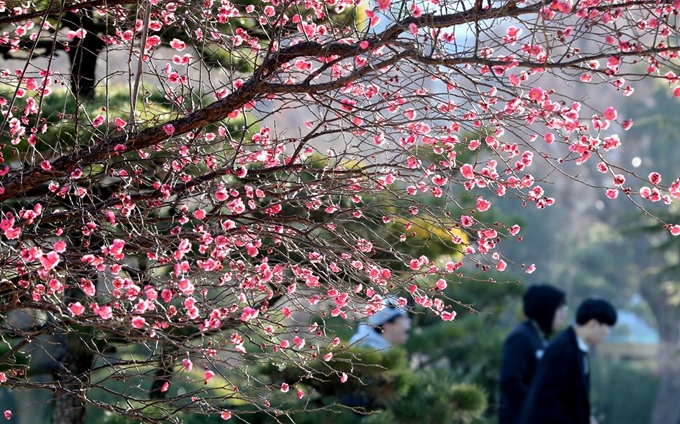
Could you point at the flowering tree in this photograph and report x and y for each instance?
(167, 218)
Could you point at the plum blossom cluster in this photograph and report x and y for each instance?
(294, 160)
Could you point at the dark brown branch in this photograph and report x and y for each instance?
(19, 183)
(314, 49)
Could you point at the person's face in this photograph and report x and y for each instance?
(598, 332)
(396, 332)
(560, 316)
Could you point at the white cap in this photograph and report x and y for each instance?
(390, 311)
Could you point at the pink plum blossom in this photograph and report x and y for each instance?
(50, 260)
(482, 204)
(610, 114)
(249, 313)
(187, 364)
(138, 322)
(76, 308)
(467, 171)
(448, 316)
(177, 44)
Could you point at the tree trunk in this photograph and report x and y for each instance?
(666, 408)
(74, 363)
(83, 54)
(67, 410)
(164, 374)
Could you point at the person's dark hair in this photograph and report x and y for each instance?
(597, 309)
(540, 303)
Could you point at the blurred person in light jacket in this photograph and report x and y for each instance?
(386, 328)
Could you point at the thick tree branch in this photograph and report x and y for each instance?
(18, 184)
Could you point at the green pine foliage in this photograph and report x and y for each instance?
(445, 401)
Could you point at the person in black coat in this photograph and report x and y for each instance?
(560, 391)
(545, 309)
